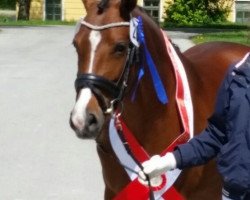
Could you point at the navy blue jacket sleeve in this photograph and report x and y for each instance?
(207, 144)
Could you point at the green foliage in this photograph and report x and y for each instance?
(8, 4)
(242, 37)
(191, 12)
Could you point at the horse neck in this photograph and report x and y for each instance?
(154, 125)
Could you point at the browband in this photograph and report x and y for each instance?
(106, 26)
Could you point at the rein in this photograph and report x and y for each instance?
(129, 151)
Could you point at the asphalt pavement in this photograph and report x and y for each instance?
(40, 156)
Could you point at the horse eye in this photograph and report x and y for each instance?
(120, 48)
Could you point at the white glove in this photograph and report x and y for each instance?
(157, 165)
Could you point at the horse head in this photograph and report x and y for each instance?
(105, 56)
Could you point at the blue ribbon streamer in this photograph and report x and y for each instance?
(140, 75)
(158, 85)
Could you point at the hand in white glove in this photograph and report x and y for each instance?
(156, 166)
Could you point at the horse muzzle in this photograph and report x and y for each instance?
(86, 118)
(87, 129)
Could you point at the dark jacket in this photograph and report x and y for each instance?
(227, 134)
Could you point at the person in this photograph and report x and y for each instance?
(226, 136)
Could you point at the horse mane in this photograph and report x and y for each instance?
(176, 47)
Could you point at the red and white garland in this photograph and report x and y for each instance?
(163, 187)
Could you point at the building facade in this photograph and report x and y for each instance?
(68, 10)
(72, 10)
(242, 11)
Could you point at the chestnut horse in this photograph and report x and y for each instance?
(103, 46)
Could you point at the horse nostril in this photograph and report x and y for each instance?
(94, 123)
(92, 120)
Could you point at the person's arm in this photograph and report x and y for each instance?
(201, 148)
(197, 151)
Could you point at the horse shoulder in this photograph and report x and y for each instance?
(206, 66)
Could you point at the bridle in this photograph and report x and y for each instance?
(116, 90)
(100, 85)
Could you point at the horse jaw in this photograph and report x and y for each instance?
(86, 118)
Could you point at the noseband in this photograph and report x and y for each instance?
(100, 85)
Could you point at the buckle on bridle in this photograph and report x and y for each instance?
(112, 109)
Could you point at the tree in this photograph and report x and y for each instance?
(8, 4)
(189, 12)
(24, 9)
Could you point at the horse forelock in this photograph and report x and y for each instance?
(126, 7)
(102, 5)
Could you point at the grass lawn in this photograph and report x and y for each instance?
(238, 36)
(4, 21)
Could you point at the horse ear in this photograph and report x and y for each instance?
(126, 8)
